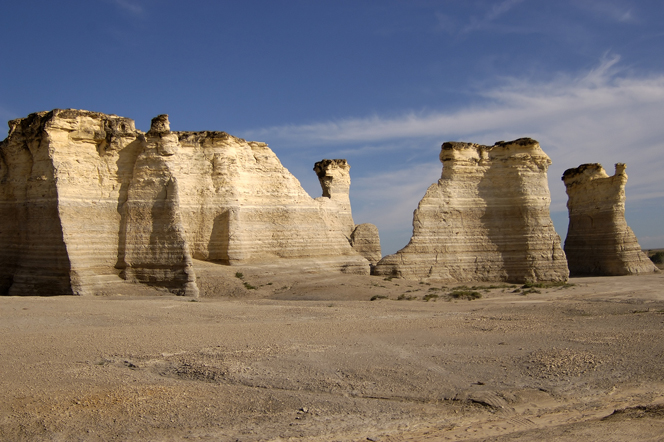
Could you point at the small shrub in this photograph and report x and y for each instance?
(239, 275)
(530, 290)
(658, 258)
(403, 296)
(249, 286)
(465, 294)
(375, 297)
(430, 296)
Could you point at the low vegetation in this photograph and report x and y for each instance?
(657, 258)
(547, 285)
(465, 294)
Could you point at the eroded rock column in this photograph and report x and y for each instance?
(599, 241)
(155, 249)
(334, 178)
(486, 219)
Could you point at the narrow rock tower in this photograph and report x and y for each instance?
(599, 241)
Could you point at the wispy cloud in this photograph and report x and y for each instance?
(518, 106)
(614, 11)
(490, 16)
(484, 21)
(603, 115)
(129, 6)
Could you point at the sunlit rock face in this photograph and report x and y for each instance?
(599, 241)
(64, 175)
(486, 219)
(86, 199)
(334, 178)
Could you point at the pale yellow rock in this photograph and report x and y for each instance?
(486, 219)
(599, 241)
(66, 175)
(334, 178)
(86, 199)
(366, 242)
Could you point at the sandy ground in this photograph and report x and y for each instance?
(309, 357)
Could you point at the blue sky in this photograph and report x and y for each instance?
(381, 83)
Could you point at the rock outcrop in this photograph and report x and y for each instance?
(366, 242)
(599, 241)
(334, 178)
(87, 198)
(486, 219)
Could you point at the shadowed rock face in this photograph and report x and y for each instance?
(87, 198)
(599, 241)
(486, 219)
(366, 242)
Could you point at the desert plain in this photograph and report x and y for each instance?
(273, 354)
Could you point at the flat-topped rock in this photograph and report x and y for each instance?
(599, 241)
(87, 198)
(486, 219)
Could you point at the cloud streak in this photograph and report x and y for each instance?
(128, 6)
(611, 10)
(518, 105)
(603, 115)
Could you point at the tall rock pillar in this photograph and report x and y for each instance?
(486, 219)
(599, 241)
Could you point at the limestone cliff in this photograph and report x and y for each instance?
(599, 241)
(64, 175)
(87, 198)
(486, 219)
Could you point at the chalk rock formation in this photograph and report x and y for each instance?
(366, 242)
(86, 198)
(599, 241)
(486, 219)
(63, 175)
(334, 178)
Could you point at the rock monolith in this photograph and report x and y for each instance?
(486, 219)
(86, 199)
(599, 241)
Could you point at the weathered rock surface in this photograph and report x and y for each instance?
(86, 198)
(599, 241)
(486, 219)
(366, 242)
(334, 178)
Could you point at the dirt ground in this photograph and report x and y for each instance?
(279, 355)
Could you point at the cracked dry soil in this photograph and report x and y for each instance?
(310, 357)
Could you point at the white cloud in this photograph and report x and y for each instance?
(605, 116)
(129, 6)
(491, 15)
(611, 10)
